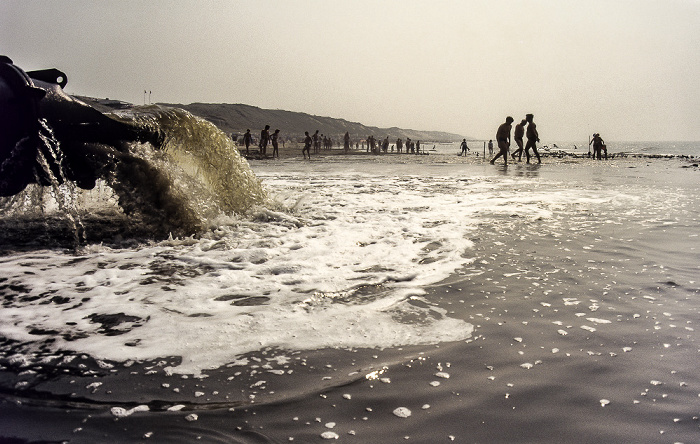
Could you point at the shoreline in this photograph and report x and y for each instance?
(293, 153)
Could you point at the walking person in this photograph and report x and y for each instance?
(308, 141)
(518, 137)
(346, 142)
(503, 140)
(532, 138)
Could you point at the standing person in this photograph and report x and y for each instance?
(385, 145)
(490, 147)
(503, 139)
(417, 146)
(247, 138)
(308, 141)
(275, 147)
(399, 145)
(532, 138)
(464, 147)
(264, 139)
(518, 137)
(598, 144)
(314, 138)
(346, 141)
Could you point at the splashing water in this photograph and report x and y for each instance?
(196, 177)
(203, 152)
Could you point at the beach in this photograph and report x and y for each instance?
(390, 298)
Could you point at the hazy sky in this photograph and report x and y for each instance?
(629, 69)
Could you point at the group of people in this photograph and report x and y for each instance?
(384, 146)
(265, 139)
(319, 140)
(503, 139)
(316, 141)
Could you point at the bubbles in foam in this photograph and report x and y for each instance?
(331, 264)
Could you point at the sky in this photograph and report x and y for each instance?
(628, 69)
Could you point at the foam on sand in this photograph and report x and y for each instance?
(341, 261)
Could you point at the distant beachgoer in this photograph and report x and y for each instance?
(464, 147)
(491, 147)
(275, 147)
(264, 139)
(385, 145)
(247, 139)
(399, 145)
(346, 141)
(308, 141)
(314, 139)
(503, 139)
(518, 137)
(598, 146)
(532, 138)
(417, 146)
(409, 145)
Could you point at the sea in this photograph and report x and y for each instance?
(355, 298)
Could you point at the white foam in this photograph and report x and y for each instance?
(346, 267)
(402, 412)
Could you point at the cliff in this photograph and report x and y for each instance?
(236, 118)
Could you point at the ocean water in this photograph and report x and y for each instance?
(580, 148)
(365, 299)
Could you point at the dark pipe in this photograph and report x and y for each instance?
(89, 142)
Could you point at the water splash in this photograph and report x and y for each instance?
(195, 177)
(199, 174)
(59, 196)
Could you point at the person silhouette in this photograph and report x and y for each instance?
(308, 141)
(532, 138)
(247, 139)
(264, 139)
(275, 146)
(518, 137)
(598, 146)
(464, 147)
(503, 140)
